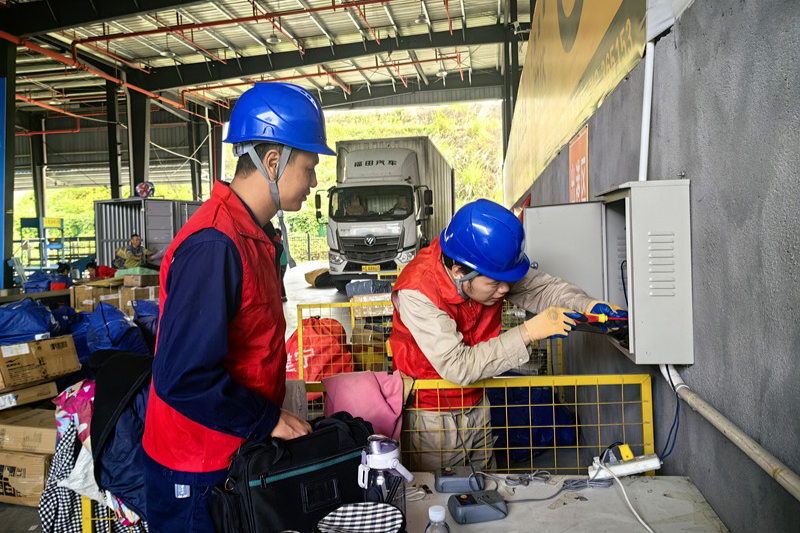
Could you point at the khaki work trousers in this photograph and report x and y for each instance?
(431, 438)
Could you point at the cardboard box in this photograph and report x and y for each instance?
(30, 363)
(368, 337)
(361, 311)
(28, 395)
(128, 294)
(30, 431)
(107, 282)
(23, 477)
(141, 280)
(369, 358)
(86, 297)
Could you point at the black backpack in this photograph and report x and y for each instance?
(281, 485)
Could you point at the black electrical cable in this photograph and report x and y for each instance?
(622, 277)
(675, 422)
(576, 485)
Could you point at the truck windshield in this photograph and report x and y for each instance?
(379, 202)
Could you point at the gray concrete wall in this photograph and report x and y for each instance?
(726, 101)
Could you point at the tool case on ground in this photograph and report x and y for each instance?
(281, 485)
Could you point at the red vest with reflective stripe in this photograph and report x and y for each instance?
(256, 355)
(477, 323)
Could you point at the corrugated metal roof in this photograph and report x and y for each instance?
(80, 157)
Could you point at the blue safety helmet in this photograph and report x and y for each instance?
(279, 113)
(489, 239)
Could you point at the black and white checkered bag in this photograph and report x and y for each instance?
(365, 517)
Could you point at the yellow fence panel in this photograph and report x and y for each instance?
(523, 424)
(96, 518)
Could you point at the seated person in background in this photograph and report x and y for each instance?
(99, 271)
(401, 207)
(136, 255)
(62, 279)
(355, 207)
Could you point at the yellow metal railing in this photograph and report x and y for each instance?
(527, 425)
(92, 513)
(390, 275)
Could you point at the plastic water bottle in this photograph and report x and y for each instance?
(436, 515)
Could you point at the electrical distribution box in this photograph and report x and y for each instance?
(632, 249)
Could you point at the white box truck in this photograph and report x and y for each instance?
(392, 197)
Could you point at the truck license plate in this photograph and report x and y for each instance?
(370, 268)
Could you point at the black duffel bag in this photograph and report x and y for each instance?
(290, 485)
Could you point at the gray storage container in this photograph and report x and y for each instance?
(156, 221)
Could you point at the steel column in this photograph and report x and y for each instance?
(114, 158)
(194, 166)
(138, 137)
(514, 57)
(8, 58)
(508, 112)
(37, 165)
(216, 135)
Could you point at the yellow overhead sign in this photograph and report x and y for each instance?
(579, 51)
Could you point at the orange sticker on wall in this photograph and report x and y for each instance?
(579, 166)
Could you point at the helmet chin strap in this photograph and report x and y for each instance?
(460, 282)
(286, 151)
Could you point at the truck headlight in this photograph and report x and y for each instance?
(406, 257)
(335, 259)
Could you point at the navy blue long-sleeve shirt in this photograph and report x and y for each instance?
(204, 290)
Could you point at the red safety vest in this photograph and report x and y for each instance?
(477, 323)
(256, 355)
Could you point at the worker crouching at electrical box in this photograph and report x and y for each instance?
(447, 315)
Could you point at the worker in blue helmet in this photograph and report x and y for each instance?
(219, 372)
(448, 305)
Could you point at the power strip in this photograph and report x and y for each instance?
(637, 465)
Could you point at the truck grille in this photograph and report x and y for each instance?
(356, 249)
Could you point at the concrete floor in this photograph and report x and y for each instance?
(19, 519)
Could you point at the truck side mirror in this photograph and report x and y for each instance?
(317, 202)
(428, 210)
(428, 197)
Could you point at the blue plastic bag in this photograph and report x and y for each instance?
(64, 318)
(524, 415)
(143, 308)
(110, 329)
(146, 317)
(39, 281)
(24, 321)
(79, 330)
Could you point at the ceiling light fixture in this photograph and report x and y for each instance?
(54, 102)
(329, 86)
(167, 53)
(421, 19)
(273, 39)
(442, 73)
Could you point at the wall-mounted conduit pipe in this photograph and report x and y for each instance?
(781, 473)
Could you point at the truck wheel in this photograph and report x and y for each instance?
(340, 286)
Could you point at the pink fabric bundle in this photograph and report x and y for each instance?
(377, 397)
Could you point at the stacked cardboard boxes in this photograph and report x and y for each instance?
(28, 436)
(27, 443)
(373, 312)
(85, 297)
(129, 294)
